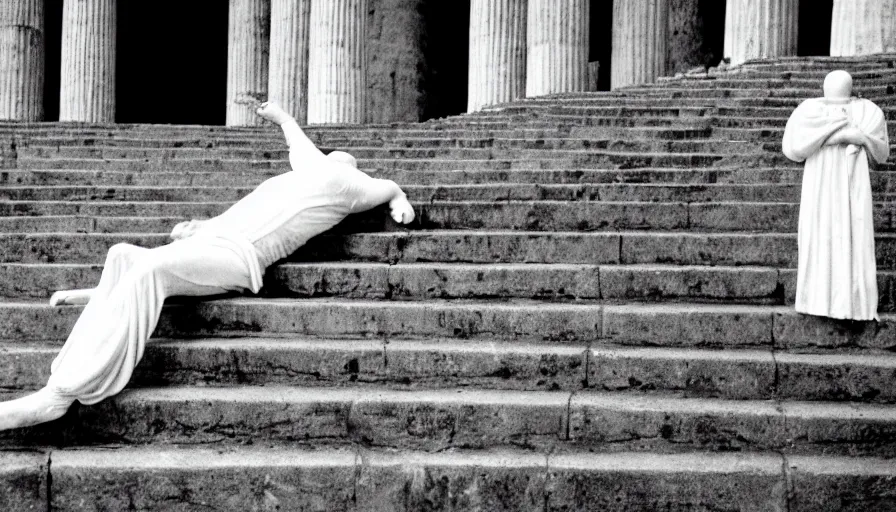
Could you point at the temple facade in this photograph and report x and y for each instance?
(367, 61)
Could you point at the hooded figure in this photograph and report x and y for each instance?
(835, 136)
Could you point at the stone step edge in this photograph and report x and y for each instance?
(770, 373)
(560, 404)
(387, 479)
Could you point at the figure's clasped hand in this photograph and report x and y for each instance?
(401, 210)
(847, 135)
(185, 229)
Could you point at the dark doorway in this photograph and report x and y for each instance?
(600, 40)
(171, 62)
(53, 62)
(446, 53)
(814, 36)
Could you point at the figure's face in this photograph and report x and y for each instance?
(344, 158)
(838, 85)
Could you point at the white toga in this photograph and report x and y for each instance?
(837, 274)
(226, 253)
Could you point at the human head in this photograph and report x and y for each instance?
(344, 158)
(838, 85)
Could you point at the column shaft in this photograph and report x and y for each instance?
(396, 35)
(337, 62)
(22, 54)
(557, 41)
(288, 68)
(639, 41)
(758, 29)
(863, 27)
(497, 52)
(87, 90)
(248, 33)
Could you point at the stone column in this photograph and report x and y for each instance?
(639, 41)
(288, 68)
(756, 29)
(395, 42)
(497, 52)
(863, 27)
(337, 73)
(248, 33)
(22, 56)
(557, 42)
(87, 88)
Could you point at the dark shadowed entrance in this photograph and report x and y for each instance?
(814, 37)
(172, 62)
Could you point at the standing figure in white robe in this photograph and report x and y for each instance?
(226, 253)
(835, 136)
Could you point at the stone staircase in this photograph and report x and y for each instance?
(591, 313)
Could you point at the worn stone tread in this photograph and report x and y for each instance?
(502, 480)
(632, 324)
(444, 418)
(862, 376)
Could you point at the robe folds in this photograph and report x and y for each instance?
(837, 275)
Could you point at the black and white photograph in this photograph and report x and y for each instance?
(447, 255)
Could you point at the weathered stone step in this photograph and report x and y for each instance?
(508, 191)
(460, 148)
(746, 81)
(326, 138)
(881, 180)
(758, 374)
(477, 419)
(696, 88)
(630, 324)
(556, 281)
(628, 247)
(439, 280)
(295, 478)
(589, 159)
(396, 363)
(585, 160)
(160, 216)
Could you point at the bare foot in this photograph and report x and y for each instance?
(272, 112)
(40, 407)
(71, 297)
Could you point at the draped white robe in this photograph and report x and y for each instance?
(226, 253)
(837, 275)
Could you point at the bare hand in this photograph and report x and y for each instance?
(846, 135)
(273, 113)
(401, 210)
(185, 229)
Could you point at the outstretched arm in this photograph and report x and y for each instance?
(296, 138)
(374, 192)
(71, 297)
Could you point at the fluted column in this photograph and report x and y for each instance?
(863, 27)
(248, 34)
(87, 89)
(756, 29)
(639, 41)
(497, 52)
(22, 57)
(557, 42)
(288, 68)
(337, 73)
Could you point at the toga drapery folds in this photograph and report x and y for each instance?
(837, 275)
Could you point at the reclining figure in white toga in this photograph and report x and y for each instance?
(226, 253)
